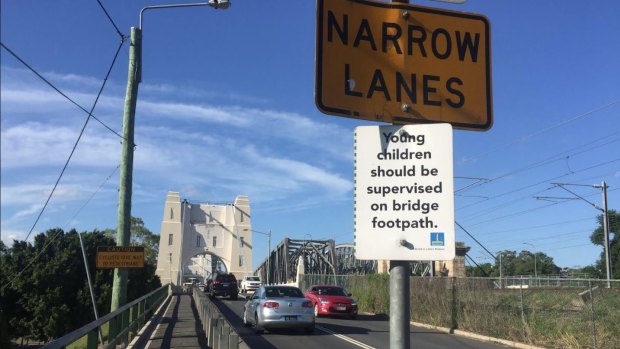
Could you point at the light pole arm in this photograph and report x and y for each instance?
(216, 4)
(156, 7)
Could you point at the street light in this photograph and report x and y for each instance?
(535, 269)
(268, 252)
(119, 287)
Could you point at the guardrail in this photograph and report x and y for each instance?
(220, 333)
(123, 323)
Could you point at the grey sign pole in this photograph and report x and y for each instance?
(399, 295)
(399, 305)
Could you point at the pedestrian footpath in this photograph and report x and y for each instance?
(179, 327)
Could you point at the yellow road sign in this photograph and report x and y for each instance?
(109, 257)
(403, 64)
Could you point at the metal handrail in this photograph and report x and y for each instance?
(92, 328)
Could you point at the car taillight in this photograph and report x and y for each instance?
(216, 282)
(306, 305)
(271, 305)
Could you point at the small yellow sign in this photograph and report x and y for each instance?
(403, 64)
(110, 257)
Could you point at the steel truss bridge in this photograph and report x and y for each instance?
(320, 257)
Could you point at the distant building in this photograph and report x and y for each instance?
(455, 267)
(196, 239)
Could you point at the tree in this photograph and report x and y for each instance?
(44, 292)
(480, 270)
(513, 264)
(141, 236)
(598, 238)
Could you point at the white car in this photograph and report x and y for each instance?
(278, 307)
(250, 283)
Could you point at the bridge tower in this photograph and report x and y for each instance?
(211, 231)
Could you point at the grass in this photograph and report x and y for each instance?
(548, 317)
(82, 342)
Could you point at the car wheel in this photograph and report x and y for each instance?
(352, 317)
(316, 310)
(246, 323)
(309, 329)
(257, 329)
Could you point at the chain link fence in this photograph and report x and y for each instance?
(551, 313)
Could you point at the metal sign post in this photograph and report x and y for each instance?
(399, 305)
(403, 64)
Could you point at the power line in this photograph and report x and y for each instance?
(537, 133)
(76, 142)
(529, 210)
(515, 201)
(545, 181)
(557, 157)
(542, 226)
(123, 37)
(515, 214)
(541, 241)
(503, 205)
(53, 238)
(59, 91)
(471, 236)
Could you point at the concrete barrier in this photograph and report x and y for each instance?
(219, 332)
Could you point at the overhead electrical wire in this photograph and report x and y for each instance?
(538, 133)
(479, 243)
(59, 91)
(515, 201)
(90, 114)
(546, 181)
(123, 36)
(554, 158)
(525, 211)
(52, 239)
(49, 197)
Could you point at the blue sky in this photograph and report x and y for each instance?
(226, 107)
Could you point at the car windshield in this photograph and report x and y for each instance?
(281, 292)
(253, 278)
(226, 278)
(331, 291)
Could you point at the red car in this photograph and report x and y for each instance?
(331, 300)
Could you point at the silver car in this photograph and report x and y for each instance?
(278, 307)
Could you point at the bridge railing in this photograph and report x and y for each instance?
(220, 333)
(121, 325)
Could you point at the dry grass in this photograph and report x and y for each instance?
(548, 317)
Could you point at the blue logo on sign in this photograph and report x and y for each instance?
(437, 239)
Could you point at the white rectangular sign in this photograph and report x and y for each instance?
(404, 192)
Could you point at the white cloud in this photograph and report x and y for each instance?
(205, 151)
(32, 195)
(305, 173)
(8, 235)
(189, 112)
(34, 144)
(29, 211)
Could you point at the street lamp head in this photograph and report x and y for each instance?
(219, 4)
